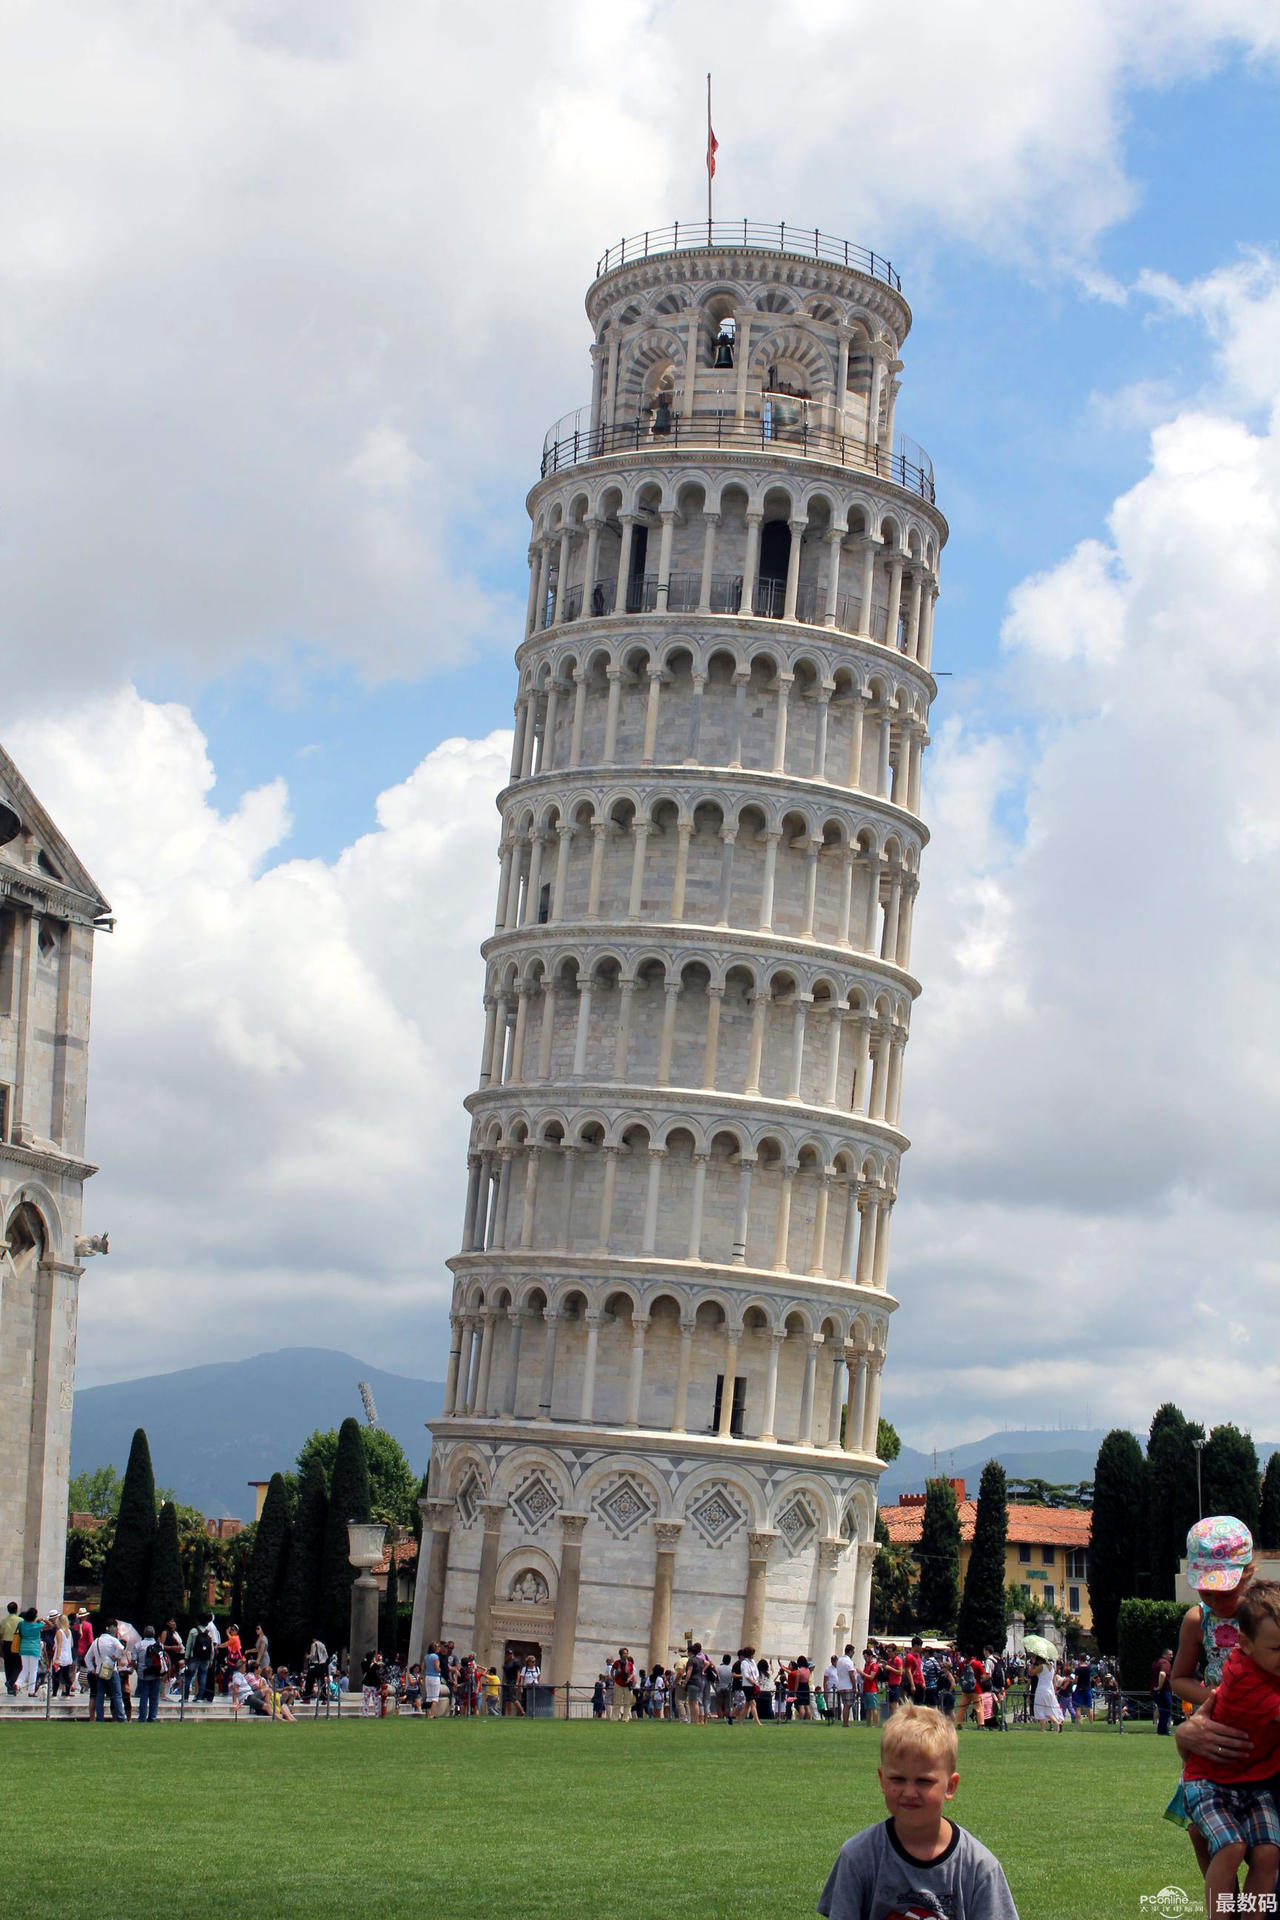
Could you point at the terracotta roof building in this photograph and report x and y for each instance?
(1047, 1548)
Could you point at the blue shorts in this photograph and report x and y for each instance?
(1233, 1816)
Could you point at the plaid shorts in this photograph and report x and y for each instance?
(1226, 1816)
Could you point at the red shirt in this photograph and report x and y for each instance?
(871, 1677)
(915, 1669)
(1249, 1699)
(895, 1672)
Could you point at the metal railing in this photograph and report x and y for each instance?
(774, 432)
(687, 236)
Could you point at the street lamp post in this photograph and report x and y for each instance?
(1199, 1446)
(365, 1544)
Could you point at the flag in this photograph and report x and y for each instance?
(712, 148)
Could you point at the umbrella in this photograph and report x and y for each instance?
(1039, 1647)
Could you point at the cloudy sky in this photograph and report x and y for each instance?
(289, 291)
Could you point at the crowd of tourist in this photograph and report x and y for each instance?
(118, 1668)
(124, 1670)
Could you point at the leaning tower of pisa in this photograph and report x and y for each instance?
(671, 1305)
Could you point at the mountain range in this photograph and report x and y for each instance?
(214, 1429)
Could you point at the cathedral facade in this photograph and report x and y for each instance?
(49, 910)
(671, 1304)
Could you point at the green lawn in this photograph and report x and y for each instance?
(512, 1818)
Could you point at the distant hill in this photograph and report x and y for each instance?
(1063, 1456)
(213, 1429)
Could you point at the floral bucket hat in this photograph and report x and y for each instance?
(1218, 1551)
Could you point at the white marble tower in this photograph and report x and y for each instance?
(670, 1310)
(49, 908)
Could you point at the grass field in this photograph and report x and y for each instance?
(513, 1818)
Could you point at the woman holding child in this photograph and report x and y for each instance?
(1231, 1746)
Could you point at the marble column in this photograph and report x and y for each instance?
(830, 1553)
(667, 1534)
(758, 1545)
(494, 1512)
(564, 1634)
(428, 1593)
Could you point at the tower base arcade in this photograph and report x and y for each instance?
(597, 1539)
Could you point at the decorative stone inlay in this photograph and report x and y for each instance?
(469, 1496)
(530, 1589)
(623, 1506)
(797, 1523)
(716, 1515)
(535, 1501)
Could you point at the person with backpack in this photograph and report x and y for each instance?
(999, 1688)
(623, 1673)
(970, 1700)
(931, 1673)
(201, 1647)
(153, 1668)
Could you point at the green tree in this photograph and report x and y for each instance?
(196, 1570)
(165, 1588)
(1269, 1509)
(981, 1620)
(1119, 1497)
(888, 1444)
(393, 1485)
(939, 1554)
(1171, 1504)
(128, 1570)
(348, 1500)
(893, 1581)
(1230, 1469)
(298, 1612)
(96, 1491)
(264, 1575)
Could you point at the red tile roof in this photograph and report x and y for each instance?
(1028, 1526)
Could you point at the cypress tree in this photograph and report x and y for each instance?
(197, 1578)
(1230, 1475)
(298, 1614)
(265, 1573)
(127, 1573)
(1119, 1506)
(1269, 1510)
(981, 1621)
(939, 1593)
(164, 1590)
(1172, 1506)
(348, 1500)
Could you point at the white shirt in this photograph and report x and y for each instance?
(110, 1652)
(211, 1628)
(844, 1674)
(831, 1679)
(240, 1687)
(750, 1672)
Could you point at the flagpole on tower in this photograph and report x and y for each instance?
(712, 144)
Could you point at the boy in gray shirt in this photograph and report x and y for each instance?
(917, 1865)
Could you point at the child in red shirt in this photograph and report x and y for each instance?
(1236, 1815)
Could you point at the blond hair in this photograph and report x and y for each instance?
(920, 1730)
(1261, 1602)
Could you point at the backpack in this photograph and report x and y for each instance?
(967, 1682)
(998, 1680)
(202, 1645)
(156, 1664)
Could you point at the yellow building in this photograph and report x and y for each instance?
(1046, 1549)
